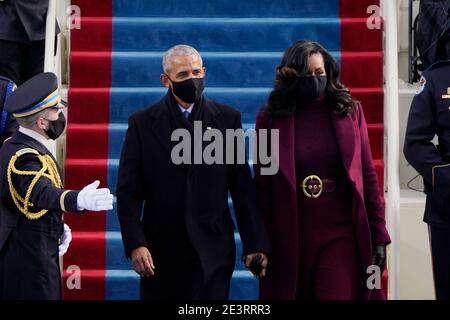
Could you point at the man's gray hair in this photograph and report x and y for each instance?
(180, 50)
(30, 121)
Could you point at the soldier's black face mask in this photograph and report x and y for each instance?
(56, 127)
(311, 88)
(189, 90)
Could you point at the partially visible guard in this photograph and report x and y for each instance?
(430, 116)
(7, 123)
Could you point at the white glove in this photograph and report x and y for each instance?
(93, 199)
(65, 240)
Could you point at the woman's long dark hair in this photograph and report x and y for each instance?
(283, 99)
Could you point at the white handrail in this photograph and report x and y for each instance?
(393, 140)
(50, 64)
(49, 60)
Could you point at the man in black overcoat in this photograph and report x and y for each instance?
(175, 219)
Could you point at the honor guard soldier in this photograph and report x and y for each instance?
(32, 196)
(429, 116)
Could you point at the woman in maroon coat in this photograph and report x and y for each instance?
(323, 208)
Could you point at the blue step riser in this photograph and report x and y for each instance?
(222, 34)
(115, 257)
(124, 285)
(125, 102)
(226, 8)
(223, 70)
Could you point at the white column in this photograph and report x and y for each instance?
(391, 112)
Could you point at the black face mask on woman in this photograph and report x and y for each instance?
(311, 88)
(189, 90)
(56, 127)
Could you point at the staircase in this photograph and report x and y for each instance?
(115, 62)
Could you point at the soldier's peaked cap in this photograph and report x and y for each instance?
(34, 95)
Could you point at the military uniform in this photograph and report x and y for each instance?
(29, 234)
(32, 197)
(429, 116)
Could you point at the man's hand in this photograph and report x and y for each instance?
(143, 262)
(250, 257)
(65, 240)
(93, 199)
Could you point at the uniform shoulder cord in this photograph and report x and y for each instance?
(48, 170)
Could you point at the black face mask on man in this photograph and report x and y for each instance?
(189, 90)
(56, 127)
(311, 88)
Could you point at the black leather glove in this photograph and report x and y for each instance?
(379, 256)
(256, 266)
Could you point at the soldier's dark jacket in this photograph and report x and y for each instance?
(29, 235)
(429, 116)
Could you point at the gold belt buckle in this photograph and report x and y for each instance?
(312, 191)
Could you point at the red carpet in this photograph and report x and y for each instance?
(367, 76)
(80, 168)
